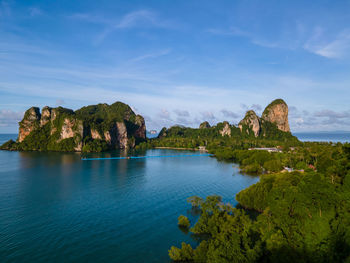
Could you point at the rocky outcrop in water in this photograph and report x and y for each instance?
(92, 128)
(29, 123)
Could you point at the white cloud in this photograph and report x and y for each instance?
(332, 114)
(182, 113)
(229, 114)
(319, 120)
(164, 114)
(336, 48)
(318, 40)
(137, 19)
(151, 55)
(10, 118)
(208, 116)
(236, 32)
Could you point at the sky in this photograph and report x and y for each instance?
(178, 62)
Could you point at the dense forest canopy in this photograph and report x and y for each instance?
(302, 216)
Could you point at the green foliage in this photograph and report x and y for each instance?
(100, 118)
(37, 140)
(9, 145)
(303, 217)
(185, 253)
(95, 146)
(183, 221)
(273, 165)
(195, 201)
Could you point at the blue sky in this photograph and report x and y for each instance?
(178, 62)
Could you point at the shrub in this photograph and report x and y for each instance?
(183, 221)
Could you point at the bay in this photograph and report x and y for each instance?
(54, 207)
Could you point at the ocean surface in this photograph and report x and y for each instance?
(54, 207)
(323, 136)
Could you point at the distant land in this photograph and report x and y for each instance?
(103, 127)
(93, 128)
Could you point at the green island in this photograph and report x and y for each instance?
(94, 128)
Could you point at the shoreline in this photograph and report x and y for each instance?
(179, 148)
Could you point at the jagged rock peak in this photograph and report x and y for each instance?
(204, 125)
(95, 127)
(277, 112)
(45, 115)
(250, 122)
(226, 130)
(30, 122)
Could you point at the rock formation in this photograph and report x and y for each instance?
(92, 128)
(141, 131)
(95, 134)
(204, 125)
(226, 129)
(250, 122)
(122, 136)
(45, 115)
(277, 113)
(29, 123)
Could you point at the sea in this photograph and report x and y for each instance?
(56, 207)
(338, 136)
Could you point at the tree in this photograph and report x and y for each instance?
(183, 221)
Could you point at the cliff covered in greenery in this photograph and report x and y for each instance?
(270, 130)
(93, 128)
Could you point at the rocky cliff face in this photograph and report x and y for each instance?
(277, 113)
(93, 128)
(30, 122)
(122, 135)
(226, 129)
(141, 130)
(45, 115)
(251, 122)
(95, 135)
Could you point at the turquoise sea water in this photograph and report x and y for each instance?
(56, 208)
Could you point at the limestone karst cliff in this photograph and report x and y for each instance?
(273, 124)
(92, 128)
(226, 130)
(277, 112)
(251, 122)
